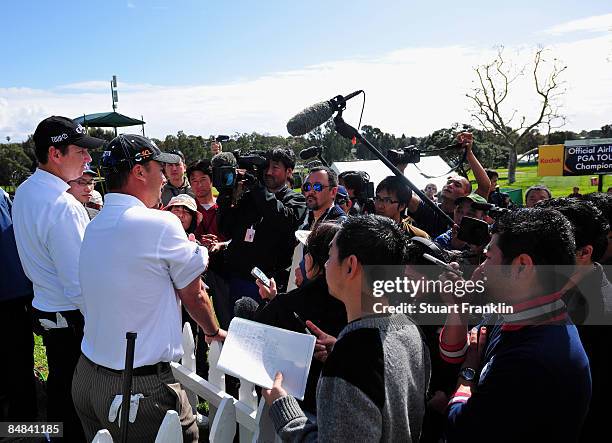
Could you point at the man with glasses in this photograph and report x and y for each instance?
(49, 226)
(320, 189)
(392, 197)
(82, 189)
(177, 182)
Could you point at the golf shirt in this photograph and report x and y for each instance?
(132, 259)
(49, 225)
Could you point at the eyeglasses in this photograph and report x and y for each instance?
(318, 187)
(385, 200)
(82, 182)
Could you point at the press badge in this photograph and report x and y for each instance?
(250, 235)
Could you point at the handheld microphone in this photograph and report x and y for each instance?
(311, 152)
(317, 114)
(224, 159)
(245, 307)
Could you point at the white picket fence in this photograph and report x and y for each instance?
(251, 416)
(225, 412)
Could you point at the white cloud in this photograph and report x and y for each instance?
(131, 5)
(412, 91)
(596, 23)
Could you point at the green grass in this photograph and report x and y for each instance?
(527, 176)
(40, 357)
(203, 407)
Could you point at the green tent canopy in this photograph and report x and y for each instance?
(107, 120)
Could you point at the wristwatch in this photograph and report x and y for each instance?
(468, 374)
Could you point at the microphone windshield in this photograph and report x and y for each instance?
(245, 307)
(224, 159)
(311, 117)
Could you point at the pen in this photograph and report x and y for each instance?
(297, 317)
(443, 265)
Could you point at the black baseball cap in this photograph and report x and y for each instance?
(132, 149)
(62, 131)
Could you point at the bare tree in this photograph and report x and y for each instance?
(492, 111)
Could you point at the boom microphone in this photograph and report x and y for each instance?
(317, 114)
(311, 152)
(305, 121)
(224, 159)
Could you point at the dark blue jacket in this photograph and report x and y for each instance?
(535, 385)
(13, 282)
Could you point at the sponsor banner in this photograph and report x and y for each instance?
(587, 157)
(550, 160)
(576, 157)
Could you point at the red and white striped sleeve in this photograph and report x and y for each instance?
(453, 353)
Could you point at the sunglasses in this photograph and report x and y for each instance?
(318, 187)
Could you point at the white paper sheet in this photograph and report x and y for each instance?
(256, 352)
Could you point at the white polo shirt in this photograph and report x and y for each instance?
(49, 225)
(132, 259)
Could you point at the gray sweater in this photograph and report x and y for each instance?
(372, 387)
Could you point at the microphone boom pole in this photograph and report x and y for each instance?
(347, 131)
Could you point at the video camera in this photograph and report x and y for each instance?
(249, 166)
(405, 155)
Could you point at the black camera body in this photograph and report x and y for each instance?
(405, 155)
(474, 231)
(250, 166)
(224, 178)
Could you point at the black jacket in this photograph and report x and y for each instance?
(311, 301)
(333, 214)
(274, 217)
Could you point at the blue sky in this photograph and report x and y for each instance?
(217, 46)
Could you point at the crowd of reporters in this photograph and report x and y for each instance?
(385, 377)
